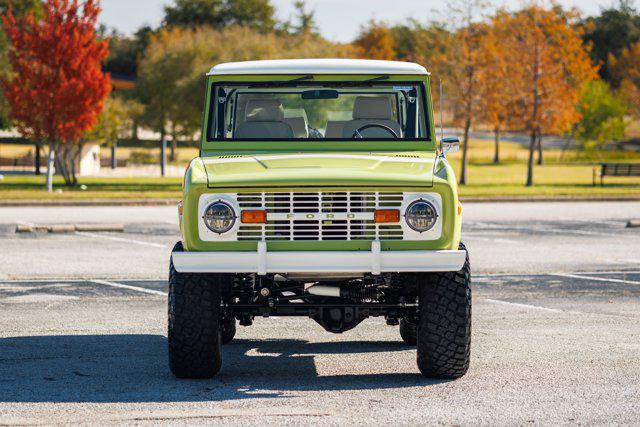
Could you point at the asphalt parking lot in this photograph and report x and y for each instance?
(556, 331)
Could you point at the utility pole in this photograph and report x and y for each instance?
(163, 157)
(114, 160)
(38, 160)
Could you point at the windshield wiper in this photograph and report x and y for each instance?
(299, 79)
(283, 82)
(376, 79)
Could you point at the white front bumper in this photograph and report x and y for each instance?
(374, 261)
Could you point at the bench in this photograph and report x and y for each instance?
(616, 169)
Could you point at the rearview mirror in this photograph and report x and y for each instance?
(450, 144)
(320, 94)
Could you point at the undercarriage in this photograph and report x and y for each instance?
(337, 305)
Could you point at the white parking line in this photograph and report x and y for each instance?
(597, 279)
(517, 304)
(120, 239)
(607, 272)
(491, 239)
(39, 280)
(133, 288)
(543, 229)
(620, 222)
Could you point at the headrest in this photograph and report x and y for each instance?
(264, 110)
(372, 107)
(298, 125)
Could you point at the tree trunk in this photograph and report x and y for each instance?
(68, 155)
(565, 146)
(174, 146)
(534, 120)
(465, 147)
(539, 145)
(532, 149)
(51, 156)
(114, 159)
(496, 154)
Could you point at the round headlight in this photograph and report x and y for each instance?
(421, 216)
(219, 217)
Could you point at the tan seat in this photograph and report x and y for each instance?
(372, 110)
(334, 129)
(299, 126)
(264, 118)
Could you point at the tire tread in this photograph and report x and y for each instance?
(444, 329)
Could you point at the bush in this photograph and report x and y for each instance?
(142, 158)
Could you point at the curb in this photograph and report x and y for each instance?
(68, 228)
(90, 202)
(173, 202)
(577, 198)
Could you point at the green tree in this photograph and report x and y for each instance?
(172, 71)
(115, 122)
(257, 14)
(615, 29)
(419, 43)
(625, 69)
(603, 116)
(21, 7)
(306, 20)
(125, 52)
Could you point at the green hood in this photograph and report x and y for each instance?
(413, 169)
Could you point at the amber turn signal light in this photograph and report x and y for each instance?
(253, 217)
(387, 215)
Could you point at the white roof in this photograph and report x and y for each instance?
(318, 66)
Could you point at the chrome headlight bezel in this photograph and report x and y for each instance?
(418, 211)
(229, 217)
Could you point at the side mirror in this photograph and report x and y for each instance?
(450, 144)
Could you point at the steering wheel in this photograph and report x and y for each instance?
(357, 134)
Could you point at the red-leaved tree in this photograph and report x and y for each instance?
(57, 88)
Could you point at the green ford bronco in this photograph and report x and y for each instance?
(320, 191)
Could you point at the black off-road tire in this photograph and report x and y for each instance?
(227, 330)
(408, 331)
(194, 334)
(444, 329)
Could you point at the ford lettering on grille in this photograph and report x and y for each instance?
(320, 216)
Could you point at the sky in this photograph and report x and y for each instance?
(338, 20)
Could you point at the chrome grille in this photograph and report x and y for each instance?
(288, 216)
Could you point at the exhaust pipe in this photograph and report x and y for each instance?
(335, 291)
(323, 290)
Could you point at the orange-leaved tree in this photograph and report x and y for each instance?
(547, 68)
(494, 86)
(460, 66)
(375, 42)
(57, 87)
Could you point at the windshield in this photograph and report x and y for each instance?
(339, 111)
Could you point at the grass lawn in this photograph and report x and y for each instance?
(560, 175)
(32, 187)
